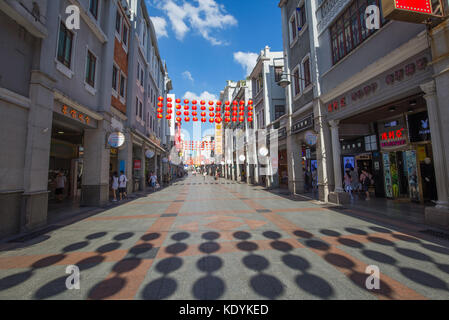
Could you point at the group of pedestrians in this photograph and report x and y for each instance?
(354, 183)
(119, 184)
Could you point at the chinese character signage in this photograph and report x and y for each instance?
(407, 10)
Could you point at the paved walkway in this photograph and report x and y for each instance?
(223, 240)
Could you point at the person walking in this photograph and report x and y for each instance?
(123, 180)
(355, 184)
(204, 175)
(366, 179)
(60, 180)
(348, 183)
(153, 181)
(114, 185)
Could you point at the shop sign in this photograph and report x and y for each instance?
(408, 71)
(352, 146)
(407, 10)
(304, 124)
(310, 138)
(137, 164)
(419, 127)
(393, 138)
(149, 154)
(116, 139)
(75, 114)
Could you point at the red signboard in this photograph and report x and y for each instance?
(423, 6)
(137, 164)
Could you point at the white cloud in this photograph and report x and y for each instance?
(160, 26)
(187, 75)
(247, 59)
(206, 96)
(203, 18)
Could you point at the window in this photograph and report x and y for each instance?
(296, 80)
(350, 30)
(306, 69)
(301, 16)
(65, 45)
(140, 110)
(122, 86)
(137, 106)
(93, 8)
(141, 77)
(279, 111)
(125, 35)
(114, 77)
(370, 143)
(90, 68)
(277, 74)
(293, 28)
(118, 22)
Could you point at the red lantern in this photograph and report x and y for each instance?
(203, 108)
(234, 119)
(169, 105)
(250, 102)
(211, 114)
(186, 101)
(194, 113)
(211, 120)
(186, 107)
(186, 113)
(178, 113)
(250, 113)
(217, 115)
(160, 99)
(211, 103)
(178, 119)
(241, 113)
(250, 119)
(160, 110)
(227, 114)
(194, 107)
(160, 104)
(169, 100)
(169, 111)
(203, 119)
(194, 101)
(202, 102)
(195, 119)
(203, 114)
(218, 109)
(235, 103)
(234, 108)
(159, 116)
(241, 119)
(242, 108)
(227, 119)
(178, 106)
(211, 108)
(227, 103)
(219, 103)
(186, 119)
(227, 108)
(178, 100)
(234, 113)
(217, 120)
(242, 103)
(168, 117)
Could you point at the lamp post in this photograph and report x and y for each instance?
(284, 82)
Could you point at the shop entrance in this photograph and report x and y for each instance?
(397, 181)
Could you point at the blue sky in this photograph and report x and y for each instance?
(201, 40)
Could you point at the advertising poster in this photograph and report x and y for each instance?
(412, 175)
(387, 176)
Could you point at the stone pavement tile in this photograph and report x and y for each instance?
(420, 269)
(283, 203)
(213, 205)
(112, 225)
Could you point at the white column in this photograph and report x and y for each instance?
(336, 152)
(439, 161)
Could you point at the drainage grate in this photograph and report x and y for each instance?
(437, 234)
(33, 235)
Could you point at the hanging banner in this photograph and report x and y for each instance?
(218, 139)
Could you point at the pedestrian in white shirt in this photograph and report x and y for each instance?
(122, 185)
(60, 185)
(114, 185)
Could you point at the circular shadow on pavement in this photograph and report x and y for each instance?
(126, 265)
(435, 248)
(52, 288)
(180, 236)
(150, 236)
(442, 267)
(208, 288)
(356, 231)
(169, 265)
(256, 262)
(48, 261)
(209, 247)
(211, 235)
(350, 243)
(247, 246)
(267, 286)
(406, 238)
(96, 235)
(272, 235)
(317, 244)
(379, 256)
(314, 285)
(90, 262)
(107, 288)
(141, 248)
(76, 246)
(209, 264)
(424, 278)
(295, 262)
(176, 248)
(330, 233)
(381, 230)
(359, 279)
(303, 234)
(14, 280)
(108, 247)
(414, 254)
(339, 260)
(281, 246)
(159, 289)
(241, 235)
(381, 241)
(123, 236)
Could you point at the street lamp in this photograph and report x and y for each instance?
(284, 82)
